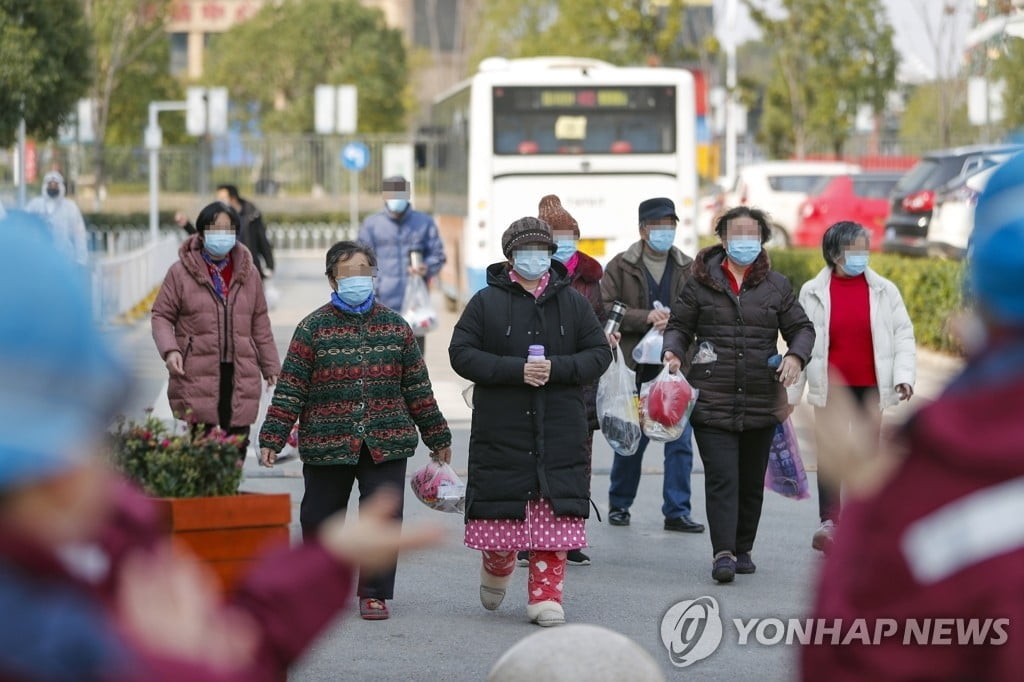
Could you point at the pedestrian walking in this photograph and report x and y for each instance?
(211, 328)
(64, 218)
(91, 587)
(356, 382)
(528, 342)
(406, 242)
(253, 233)
(863, 343)
(932, 534)
(650, 270)
(726, 324)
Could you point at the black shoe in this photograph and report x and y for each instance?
(523, 558)
(577, 558)
(684, 524)
(744, 564)
(618, 517)
(724, 569)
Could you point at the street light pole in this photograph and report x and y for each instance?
(22, 198)
(731, 124)
(154, 140)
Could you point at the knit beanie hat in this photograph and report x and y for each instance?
(526, 231)
(554, 214)
(60, 381)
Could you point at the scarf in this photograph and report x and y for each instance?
(216, 268)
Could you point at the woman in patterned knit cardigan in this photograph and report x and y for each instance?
(355, 380)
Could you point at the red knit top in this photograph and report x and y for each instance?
(850, 350)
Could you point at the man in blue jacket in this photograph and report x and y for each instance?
(395, 233)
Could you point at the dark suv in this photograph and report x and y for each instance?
(912, 200)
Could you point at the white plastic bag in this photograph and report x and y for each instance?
(617, 413)
(417, 308)
(254, 433)
(439, 487)
(648, 351)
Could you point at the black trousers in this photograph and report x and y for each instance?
(829, 491)
(328, 488)
(734, 466)
(227, 387)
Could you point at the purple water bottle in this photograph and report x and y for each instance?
(535, 354)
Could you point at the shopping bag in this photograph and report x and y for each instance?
(785, 473)
(261, 415)
(617, 412)
(666, 402)
(648, 351)
(439, 487)
(417, 308)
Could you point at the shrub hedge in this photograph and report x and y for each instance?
(931, 288)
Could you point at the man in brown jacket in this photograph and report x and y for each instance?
(650, 270)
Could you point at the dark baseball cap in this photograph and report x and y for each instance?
(659, 207)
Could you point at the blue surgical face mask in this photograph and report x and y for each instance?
(856, 263)
(743, 250)
(530, 263)
(355, 289)
(661, 240)
(219, 245)
(397, 206)
(566, 249)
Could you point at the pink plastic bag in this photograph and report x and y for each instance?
(785, 473)
(439, 487)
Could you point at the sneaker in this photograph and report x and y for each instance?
(724, 569)
(523, 558)
(744, 564)
(577, 558)
(684, 524)
(824, 536)
(618, 517)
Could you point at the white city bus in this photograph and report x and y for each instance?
(601, 137)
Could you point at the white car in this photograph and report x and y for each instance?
(779, 187)
(953, 216)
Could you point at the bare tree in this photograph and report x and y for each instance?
(941, 31)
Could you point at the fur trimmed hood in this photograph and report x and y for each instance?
(707, 268)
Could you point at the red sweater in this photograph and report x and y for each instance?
(850, 348)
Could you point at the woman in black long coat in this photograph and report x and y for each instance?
(528, 485)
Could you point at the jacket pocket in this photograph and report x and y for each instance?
(186, 352)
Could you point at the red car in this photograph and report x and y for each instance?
(862, 198)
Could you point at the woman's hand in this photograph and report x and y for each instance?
(175, 364)
(789, 370)
(537, 373)
(443, 455)
(272, 381)
(614, 338)
(905, 391)
(673, 362)
(267, 457)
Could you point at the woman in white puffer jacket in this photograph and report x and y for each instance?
(863, 335)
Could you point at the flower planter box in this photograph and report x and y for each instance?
(229, 532)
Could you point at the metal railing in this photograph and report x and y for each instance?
(308, 236)
(122, 282)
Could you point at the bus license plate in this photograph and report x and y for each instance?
(592, 247)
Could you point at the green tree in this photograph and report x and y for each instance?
(1010, 68)
(922, 117)
(281, 54)
(44, 65)
(830, 59)
(624, 32)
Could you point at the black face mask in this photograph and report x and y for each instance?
(54, 192)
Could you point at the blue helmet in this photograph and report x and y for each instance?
(996, 256)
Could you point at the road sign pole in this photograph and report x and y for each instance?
(353, 205)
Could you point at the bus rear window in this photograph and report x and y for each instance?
(584, 120)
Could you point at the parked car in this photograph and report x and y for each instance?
(779, 187)
(862, 198)
(913, 199)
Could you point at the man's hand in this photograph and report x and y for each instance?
(659, 318)
(267, 457)
(421, 270)
(175, 364)
(373, 539)
(789, 370)
(614, 339)
(673, 362)
(537, 373)
(905, 391)
(180, 219)
(443, 455)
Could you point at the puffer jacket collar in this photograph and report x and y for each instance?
(497, 276)
(707, 269)
(819, 286)
(588, 270)
(191, 256)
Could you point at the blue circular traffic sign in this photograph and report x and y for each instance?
(355, 156)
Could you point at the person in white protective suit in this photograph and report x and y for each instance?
(63, 217)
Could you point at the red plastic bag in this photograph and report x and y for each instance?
(665, 404)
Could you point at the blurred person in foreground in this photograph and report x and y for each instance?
(933, 527)
(394, 234)
(212, 329)
(90, 588)
(359, 388)
(863, 333)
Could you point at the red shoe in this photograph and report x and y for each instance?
(373, 609)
